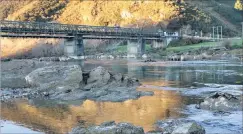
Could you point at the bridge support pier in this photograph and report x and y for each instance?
(159, 43)
(136, 47)
(74, 46)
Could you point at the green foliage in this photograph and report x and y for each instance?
(227, 11)
(232, 45)
(184, 42)
(227, 44)
(196, 18)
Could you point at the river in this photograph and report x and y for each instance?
(166, 79)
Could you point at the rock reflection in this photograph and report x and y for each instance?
(61, 118)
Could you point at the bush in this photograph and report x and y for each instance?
(184, 42)
(227, 44)
(236, 46)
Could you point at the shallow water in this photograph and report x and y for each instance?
(166, 79)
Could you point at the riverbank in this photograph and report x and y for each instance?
(222, 50)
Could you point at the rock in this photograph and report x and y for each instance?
(189, 128)
(182, 126)
(109, 128)
(221, 102)
(130, 82)
(144, 56)
(111, 57)
(150, 60)
(98, 77)
(198, 85)
(5, 59)
(108, 123)
(14, 82)
(117, 77)
(56, 77)
(155, 132)
(49, 59)
(70, 83)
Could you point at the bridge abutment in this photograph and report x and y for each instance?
(74, 46)
(135, 47)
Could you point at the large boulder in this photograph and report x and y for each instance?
(182, 126)
(108, 128)
(70, 83)
(101, 78)
(56, 77)
(98, 77)
(221, 102)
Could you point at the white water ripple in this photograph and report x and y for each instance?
(216, 122)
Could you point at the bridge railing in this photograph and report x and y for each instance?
(57, 28)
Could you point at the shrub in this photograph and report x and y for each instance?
(227, 44)
(184, 42)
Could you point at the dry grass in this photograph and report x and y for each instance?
(116, 12)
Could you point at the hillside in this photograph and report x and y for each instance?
(191, 16)
(125, 13)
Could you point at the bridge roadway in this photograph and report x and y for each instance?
(74, 34)
(11, 28)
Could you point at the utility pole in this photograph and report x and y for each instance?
(221, 32)
(217, 33)
(242, 32)
(213, 33)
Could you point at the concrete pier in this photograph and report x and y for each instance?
(74, 46)
(135, 48)
(159, 43)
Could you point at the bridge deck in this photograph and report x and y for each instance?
(56, 30)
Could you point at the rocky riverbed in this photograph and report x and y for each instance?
(69, 82)
(168, 127)
(218, 106)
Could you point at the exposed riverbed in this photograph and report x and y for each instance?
(175, 86)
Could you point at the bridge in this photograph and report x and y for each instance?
(75, 34)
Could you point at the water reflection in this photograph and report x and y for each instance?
(182, 73)
(61, 118)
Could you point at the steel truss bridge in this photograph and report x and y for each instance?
(57, 30)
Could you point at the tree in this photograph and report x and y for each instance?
(238, 5)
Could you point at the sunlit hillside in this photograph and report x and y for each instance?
(164, 14)
(117, 12)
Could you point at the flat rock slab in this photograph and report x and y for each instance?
(108, 128)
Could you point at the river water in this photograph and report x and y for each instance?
(167, 80)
